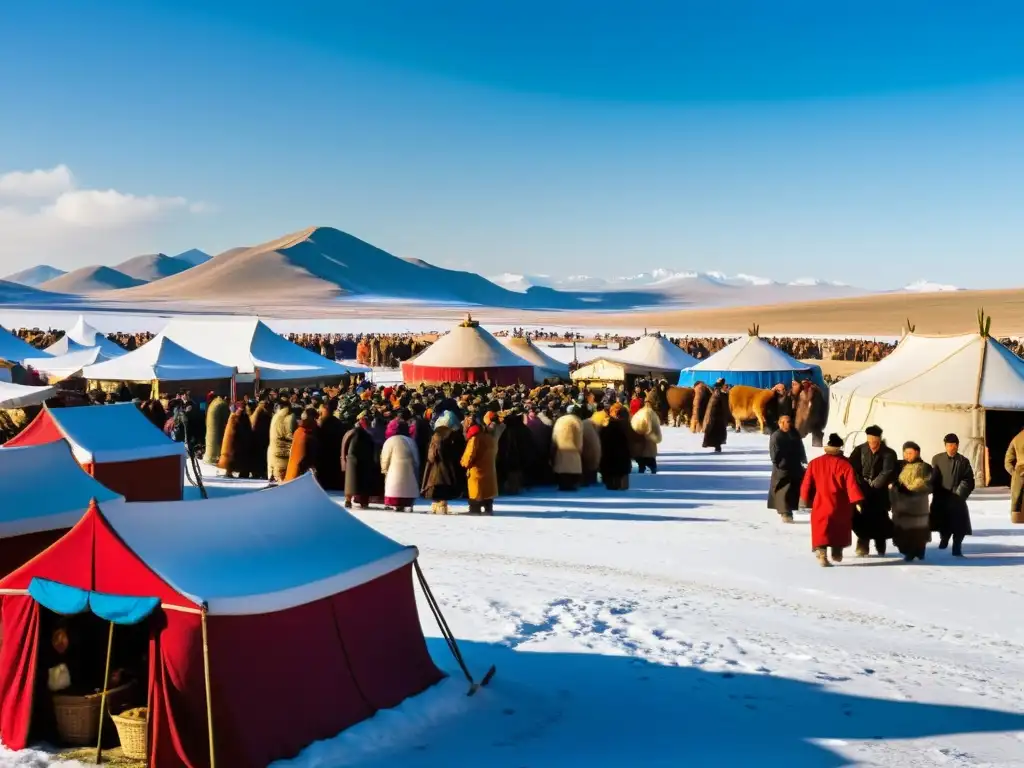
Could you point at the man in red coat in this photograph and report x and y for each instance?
(830, 489)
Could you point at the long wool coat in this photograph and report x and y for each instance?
(260, 419)
(216, 422)
(646, 423)
(1014, 465)
(830, 489)
(875, 473)
(567, 446)
(616, 458)
(952, 484)
(236, 448)
(282, 427)
(479, 460)
(717, 418)
(361, 466)
(328, 456)
(788, 456)
(303, 453)
(400, 463)
(909, 501)
(591, 455)
(442, 479)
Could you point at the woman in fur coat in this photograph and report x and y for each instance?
(330, 433)
(647, 425)
(217, 413)
(282, 428)
(442, 476)
(567, 450)
(260, 420)
(910, 508)
(236, 448)
(361, 466)
(480, 462)
(591, 454)
(302, 456)
(400, 465)
(616, 458)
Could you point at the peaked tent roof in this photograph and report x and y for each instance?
(469, 346)
(99, 433)
(239, 555)
(248, 344)
(942, 370)
(20, 396)
(545, 365)
(655, 353)
(13, 349)
(69, 364)
(83, 336)
(45, 489)
(750, 353)
(160, 358)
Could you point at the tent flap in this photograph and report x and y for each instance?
(69, 601)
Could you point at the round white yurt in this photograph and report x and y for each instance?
(467, 353)
(751, 361)
(652, 356)
(929, 386)
(545, 367)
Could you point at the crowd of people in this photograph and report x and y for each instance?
(873, 496)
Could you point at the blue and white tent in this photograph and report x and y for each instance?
(751, 361)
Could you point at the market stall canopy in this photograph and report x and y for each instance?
(45, 489)
(20, 396)
(83, 336)
(248, 345)
(60, 367)
(158, 360)
(13, 349)
(751, 361)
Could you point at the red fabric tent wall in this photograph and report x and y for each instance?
(15, 551)
(280, 680)
(157, 479)
(432, 374)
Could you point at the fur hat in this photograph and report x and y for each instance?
(873, 431)
(913, 445)
(835, 441)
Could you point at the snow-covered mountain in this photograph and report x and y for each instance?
(656, 278)
(33, 277)
(926, 286)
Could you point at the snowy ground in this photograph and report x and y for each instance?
(681, 624)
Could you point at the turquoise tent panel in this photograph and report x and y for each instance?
(69, 601)
(759, 379)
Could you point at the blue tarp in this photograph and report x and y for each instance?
(69, 601)
(759, 379)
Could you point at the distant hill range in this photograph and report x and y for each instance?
(322, 264)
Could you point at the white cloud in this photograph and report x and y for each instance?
(45, 216)
(46, 184)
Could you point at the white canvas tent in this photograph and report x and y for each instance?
(60, 367)
(751, 361)
(929, 386)
(252, 348)
(652, 355)
(82, 336)
(158, 360)
(20, 396)
(544, 365)
(13, 349)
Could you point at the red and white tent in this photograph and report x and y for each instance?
(44, 493)
(309, 614)
(115, 444)
(467, 353)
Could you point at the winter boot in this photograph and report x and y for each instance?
(837, 554)
(944, 541)
(822, 557)
(862, 548)
(880, 547)
(958, 546)
(787, 517)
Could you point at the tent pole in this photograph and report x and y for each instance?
(209, 701)
(103, 696)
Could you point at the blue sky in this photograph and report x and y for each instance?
(867, 142)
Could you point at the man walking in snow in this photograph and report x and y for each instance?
(874, 464)
(788, 456)
(952, 483)
(830, 489)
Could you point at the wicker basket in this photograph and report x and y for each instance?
(132, 732)
(78, 717)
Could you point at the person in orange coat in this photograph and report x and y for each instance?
(831, 490)
(304, 446)
(481, 465)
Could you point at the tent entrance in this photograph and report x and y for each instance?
(76, 629)
(1000, 429)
